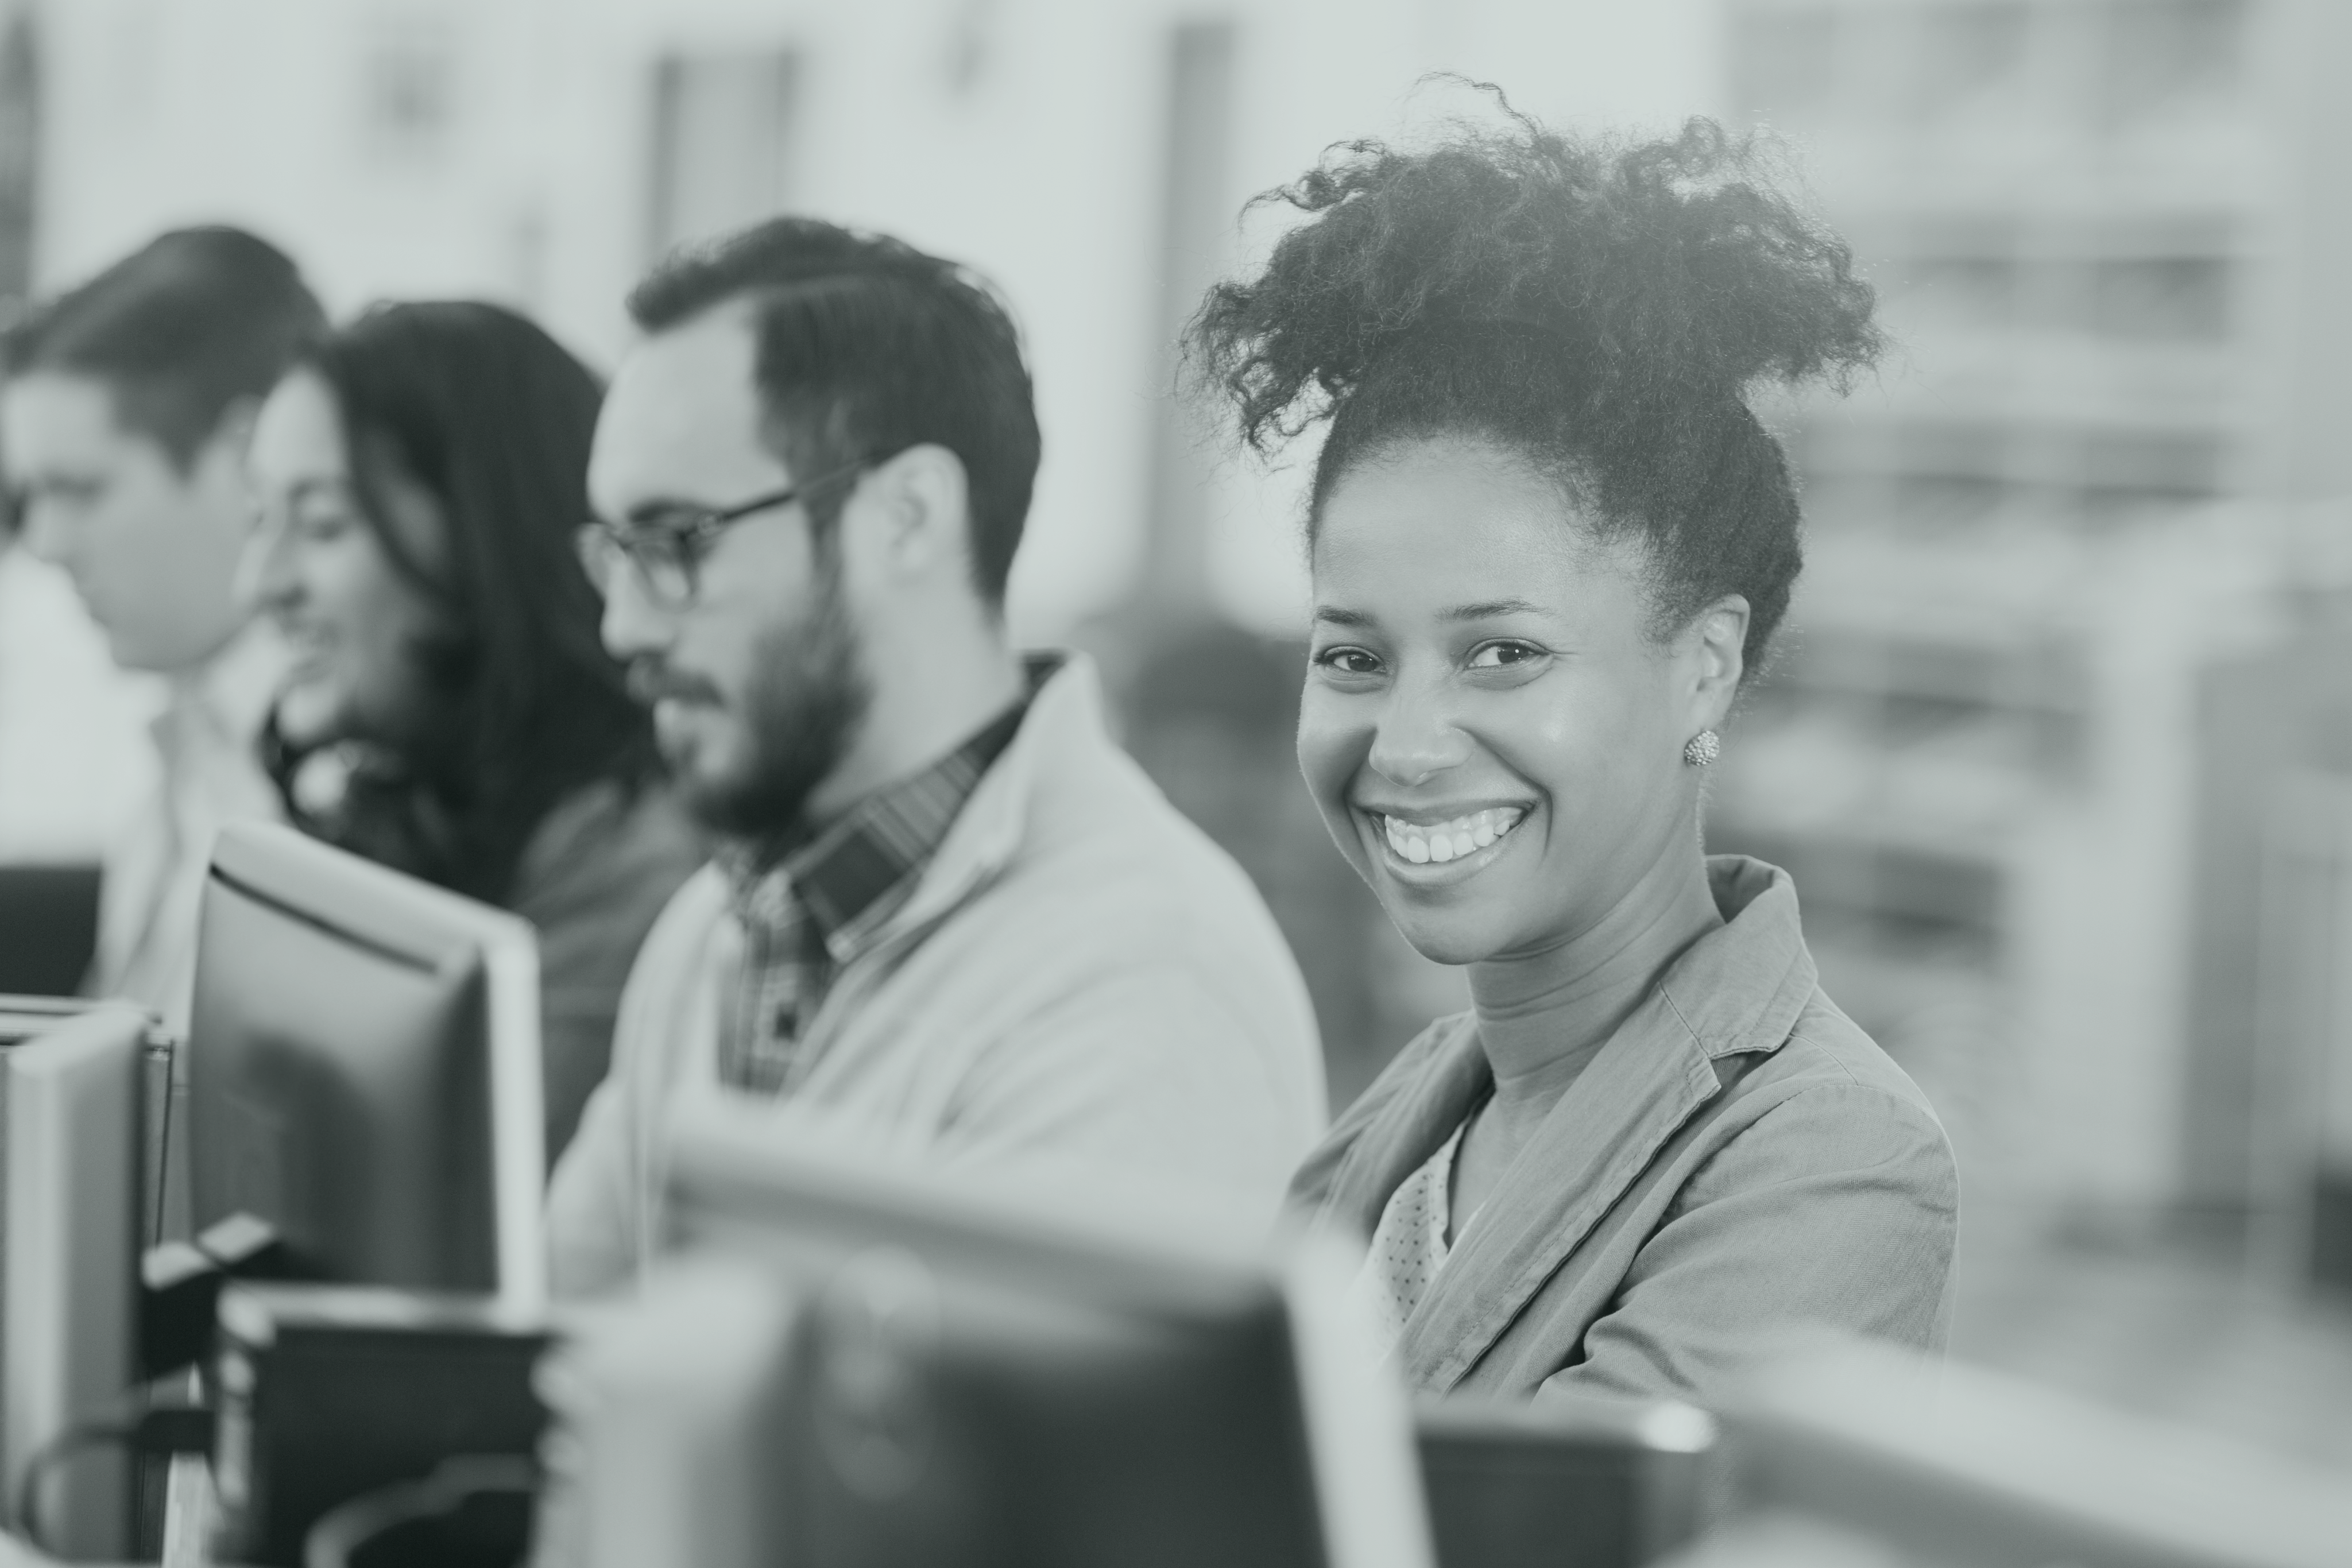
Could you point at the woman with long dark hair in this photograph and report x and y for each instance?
(1549, 540)
(450, 710)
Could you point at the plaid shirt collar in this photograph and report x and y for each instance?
(847, 878)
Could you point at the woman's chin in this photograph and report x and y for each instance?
(1448, 937)
(308, 719)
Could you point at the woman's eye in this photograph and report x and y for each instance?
(321, 526)
(1499, 656)
(1347, 662)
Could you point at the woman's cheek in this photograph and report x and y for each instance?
(1333, 742)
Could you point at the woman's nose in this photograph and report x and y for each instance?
(1417, 737)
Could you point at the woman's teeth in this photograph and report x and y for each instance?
(1418, 841)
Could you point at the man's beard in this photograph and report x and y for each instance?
(805, 701)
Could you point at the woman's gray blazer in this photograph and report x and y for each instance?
(1738, 1161)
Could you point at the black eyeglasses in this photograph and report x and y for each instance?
(666, 556)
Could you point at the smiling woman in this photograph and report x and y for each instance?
(1549, 540)
(448, 708)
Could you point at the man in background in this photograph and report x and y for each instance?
(123, 423)
(950, 913)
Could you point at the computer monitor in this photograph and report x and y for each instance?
(25, 1016)
(72, 1095)
(49, 926)
(363, 1070)
(848, 1363)
(1570, 1480)
(1861, 1454)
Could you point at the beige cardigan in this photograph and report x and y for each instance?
(1080, 977)
(1738, 1163)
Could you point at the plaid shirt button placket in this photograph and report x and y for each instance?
(809, 914)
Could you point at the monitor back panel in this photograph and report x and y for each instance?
(957, 1420)
(71, 1104)
(49, 926)
(340, 1091)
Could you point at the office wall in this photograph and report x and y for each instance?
(509, 148)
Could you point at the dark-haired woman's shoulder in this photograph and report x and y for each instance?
(596, 874)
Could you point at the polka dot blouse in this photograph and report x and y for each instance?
(1409, 1245)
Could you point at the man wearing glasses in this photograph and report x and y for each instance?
(948, 907)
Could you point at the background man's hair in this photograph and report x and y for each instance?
(867, 347)
(180, 329)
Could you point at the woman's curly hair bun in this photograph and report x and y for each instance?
(1603, 308)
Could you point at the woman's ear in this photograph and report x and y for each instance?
(1715, 643)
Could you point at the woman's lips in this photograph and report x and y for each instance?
(1453, 838)
(1425, 850)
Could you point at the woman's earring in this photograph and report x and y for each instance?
(1702, 749)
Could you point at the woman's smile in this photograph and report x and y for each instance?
(1443, 845)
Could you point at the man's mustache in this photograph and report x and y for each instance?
(652, 681)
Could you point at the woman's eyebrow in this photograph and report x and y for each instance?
(1338, 617)
(1488, 608)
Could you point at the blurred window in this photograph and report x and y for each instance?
(2163, 55)
(408, 87)
(1784, 61)
(722, 129)
(2126, 469)
(20, 127)
(1943, 500)
(1968, 290)
(1969, 50)
(1950, 473)
(2181, 297)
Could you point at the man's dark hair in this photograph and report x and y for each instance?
(180, 329)
(1599, 310)
(868, 347)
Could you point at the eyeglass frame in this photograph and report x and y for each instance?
(692, 538)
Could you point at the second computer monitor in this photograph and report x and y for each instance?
(364, 1072)
(1049, 1373)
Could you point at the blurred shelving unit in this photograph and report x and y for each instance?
(2072, 505)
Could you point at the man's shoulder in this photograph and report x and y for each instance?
(697, 905)
(676, 945)
(1117, 862)
(1096, 811)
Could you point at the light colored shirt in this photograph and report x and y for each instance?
(75, 759)
(1079, 979)
(1738, 1163)
(810, 912)
(209, 774)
